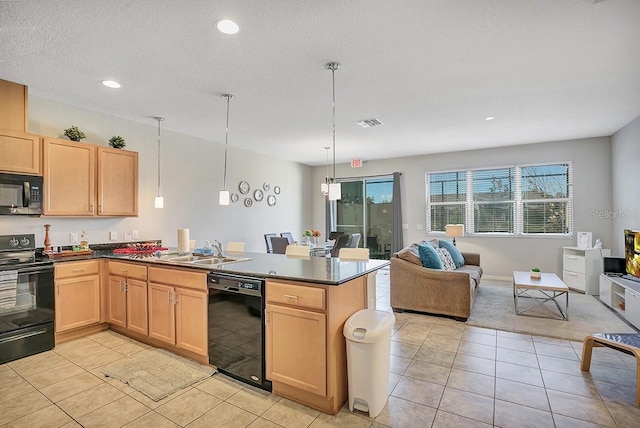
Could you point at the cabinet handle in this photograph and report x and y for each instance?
(168, 296)
(572, 273)
(126, 287)
(289, 296)
(99, 209)
(175, 298)
(123, 270)
(78, 270)
(91, 208)
(572, 258)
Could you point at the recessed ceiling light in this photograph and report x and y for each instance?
(227, 26)
(489, 118)
(111, 84)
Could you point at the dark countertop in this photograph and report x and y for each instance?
(320, 270)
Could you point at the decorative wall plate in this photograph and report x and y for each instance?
(244, 187)
(266, 186)
(234, 197)
(271, 200)
(248, 202)
(276, 190)
(258, 195)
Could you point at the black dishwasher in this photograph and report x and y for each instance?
(236, 327)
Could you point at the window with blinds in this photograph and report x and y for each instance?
(518, 200)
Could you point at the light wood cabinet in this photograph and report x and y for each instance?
(305, 349)
(77, 296)
(13, 106)
(127, 296)
(20, 153)
(86, 180)
(178, 304)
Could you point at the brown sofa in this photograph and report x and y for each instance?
(417, 288)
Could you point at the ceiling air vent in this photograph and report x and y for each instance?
(368, 123)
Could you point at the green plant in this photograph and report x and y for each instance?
(535, 269)
(74, 134)
(117, 142)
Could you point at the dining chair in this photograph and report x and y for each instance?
(267, 240)
(301, 251)
(279, 245)
(235, 247)
(288, 235)
(334, 235)
(354, 240)
(341, 242)
(353, 253)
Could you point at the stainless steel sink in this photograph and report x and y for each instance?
(220, 260)
(187, 258)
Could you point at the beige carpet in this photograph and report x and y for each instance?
(157, 373)
(494, 309)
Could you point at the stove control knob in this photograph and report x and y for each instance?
(14, 242)
(24, 241)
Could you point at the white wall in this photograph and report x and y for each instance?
(625, 159)
(191, 176)
(591, 159)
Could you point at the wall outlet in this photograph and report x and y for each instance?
(419, 226)
(73, 238)
(113, 236)
(405, 226)
(127, 236)
(134, 234)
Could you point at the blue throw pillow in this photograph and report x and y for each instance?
(429, 257)
(456, 255)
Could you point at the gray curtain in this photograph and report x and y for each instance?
(396, 227)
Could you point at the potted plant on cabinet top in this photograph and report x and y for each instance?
(74, 134)
(117, 142)
(535, 273)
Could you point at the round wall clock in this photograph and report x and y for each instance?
(266, 186)
(258, 195)
(276, 190)
(248, 202)
(234, 197)
(271, 200)
(244, 187)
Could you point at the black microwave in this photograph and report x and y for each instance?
(20, 194)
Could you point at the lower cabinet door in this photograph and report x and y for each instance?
(137, 306)
(162, 314)
(191, 320)
(117, 301)
(77, 302)
(296, 348)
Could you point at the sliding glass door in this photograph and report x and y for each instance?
(365, 208)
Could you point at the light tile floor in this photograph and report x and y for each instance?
(443, 374)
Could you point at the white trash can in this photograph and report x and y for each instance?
(368, 334)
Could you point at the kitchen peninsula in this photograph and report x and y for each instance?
(165, 302)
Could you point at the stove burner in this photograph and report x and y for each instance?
(141, 250)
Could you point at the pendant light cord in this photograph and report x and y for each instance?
(226, 142)
(333, 66)
(159, 119)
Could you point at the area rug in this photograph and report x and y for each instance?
(157, 373)
(494, 308)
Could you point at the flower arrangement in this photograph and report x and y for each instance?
(311, 232)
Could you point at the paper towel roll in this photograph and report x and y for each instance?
(183, 240)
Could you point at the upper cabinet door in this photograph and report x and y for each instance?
(117, 182)
(20, 153)
(13, 106)
(69, 178)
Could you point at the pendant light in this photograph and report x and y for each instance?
(335, 190)
(159, 201)
(223, 198)
(324, 187)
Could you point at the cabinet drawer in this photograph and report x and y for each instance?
(574, 280)
(130, 270)
(71, 269)
(298, 295)
(573, 263)
(178, 277)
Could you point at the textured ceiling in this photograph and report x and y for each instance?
(430, 70)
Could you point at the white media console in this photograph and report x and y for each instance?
(623, 296)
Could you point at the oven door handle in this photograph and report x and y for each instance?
(22, 336)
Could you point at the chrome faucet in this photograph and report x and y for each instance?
(218, 247)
